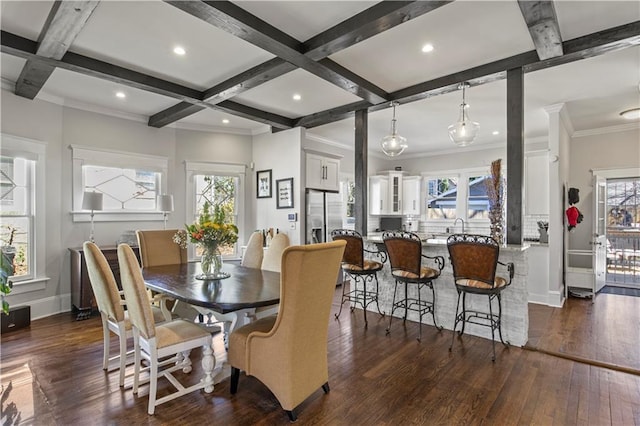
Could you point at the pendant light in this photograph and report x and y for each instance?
(464, 131)
(393, 144)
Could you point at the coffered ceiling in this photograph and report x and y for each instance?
(245, 60)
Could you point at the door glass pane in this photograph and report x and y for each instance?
(218, 191)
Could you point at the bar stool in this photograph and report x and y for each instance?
(405, 255)
(359, 269)
(474, 259)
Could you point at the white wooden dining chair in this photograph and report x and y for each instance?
(111, 307)
(154, 342)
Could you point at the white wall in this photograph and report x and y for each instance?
(281, 153)
(613, 150)
(60, 127)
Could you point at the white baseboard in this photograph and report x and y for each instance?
(552, 298)
(42, 308)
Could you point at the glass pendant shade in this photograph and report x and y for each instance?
(393, 144)
(464, 131)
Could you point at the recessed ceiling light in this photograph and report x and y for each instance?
(296, 97)
(225, 120)
(495, 132)
(427, 48)
(121, 95)
(631, 114)
(179, 50)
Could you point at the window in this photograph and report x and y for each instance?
(461, 194)
(478, 201)
(21, 196)
(347, 189)
(219, 184)
(441, 197)
(128, 181)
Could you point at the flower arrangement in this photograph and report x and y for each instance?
(211, 230)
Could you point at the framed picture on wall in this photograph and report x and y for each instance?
(284, 191)
(263, 183)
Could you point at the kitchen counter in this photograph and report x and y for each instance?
(515, 314)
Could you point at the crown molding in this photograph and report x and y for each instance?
(605, 130)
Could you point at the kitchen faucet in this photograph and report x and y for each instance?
(456, 221)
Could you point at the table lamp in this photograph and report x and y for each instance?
(92, 201)
(165, 205)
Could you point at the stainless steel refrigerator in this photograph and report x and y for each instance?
(323, 215)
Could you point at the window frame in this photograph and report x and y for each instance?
(195, 168)
(94, 156)
(15, 146)
(462, 196)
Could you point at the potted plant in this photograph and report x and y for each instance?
(7, 255)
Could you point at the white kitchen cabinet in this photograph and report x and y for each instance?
(395, 193)
(378, 194)
(411, 195)
(323, 172)
(536, 183)
(392, 193)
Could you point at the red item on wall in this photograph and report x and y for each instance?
(573, 216)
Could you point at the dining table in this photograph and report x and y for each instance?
(245, 288)
(231, 301)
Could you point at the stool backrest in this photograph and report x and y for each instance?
(473, 257)
(354, 250)
(404, 250)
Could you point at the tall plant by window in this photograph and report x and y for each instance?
(495, 192)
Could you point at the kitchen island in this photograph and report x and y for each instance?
(515, 314)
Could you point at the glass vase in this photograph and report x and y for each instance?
(211, 264)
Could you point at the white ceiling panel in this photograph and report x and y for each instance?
(276, 95)
(142, 35)
(213, 119)
(461, 40)
(24, 18)
(304, 19)
(101, 93)
(11, 67)
(579, 18)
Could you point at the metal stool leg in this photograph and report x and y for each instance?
(378, 293)
(455, 322)
(393, 306)
(492, 322)
(364, 301)
(342, 299)
(464, 312)
(499, 296)
(419, 315)
(433, 307)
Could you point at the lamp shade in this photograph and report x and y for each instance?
(464, 131)
(165, 203)
(92, 201)
(393, 144)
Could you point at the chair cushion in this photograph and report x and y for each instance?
(425, 273)
(178, 331)
(238, 339)
(499, 282)
(369, 265)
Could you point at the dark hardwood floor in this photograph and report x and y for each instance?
(51, 375)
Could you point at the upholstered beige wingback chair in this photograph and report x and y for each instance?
(253, 254)
(111, 306)
(157, 248)
(153, 342)
(273, 255)
(288, 352)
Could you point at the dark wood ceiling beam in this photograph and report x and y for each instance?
(245, 111)
(240, 23)
(24, 48)
(542, 22)
(368, 23)
(587, 46)
(63, 24)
